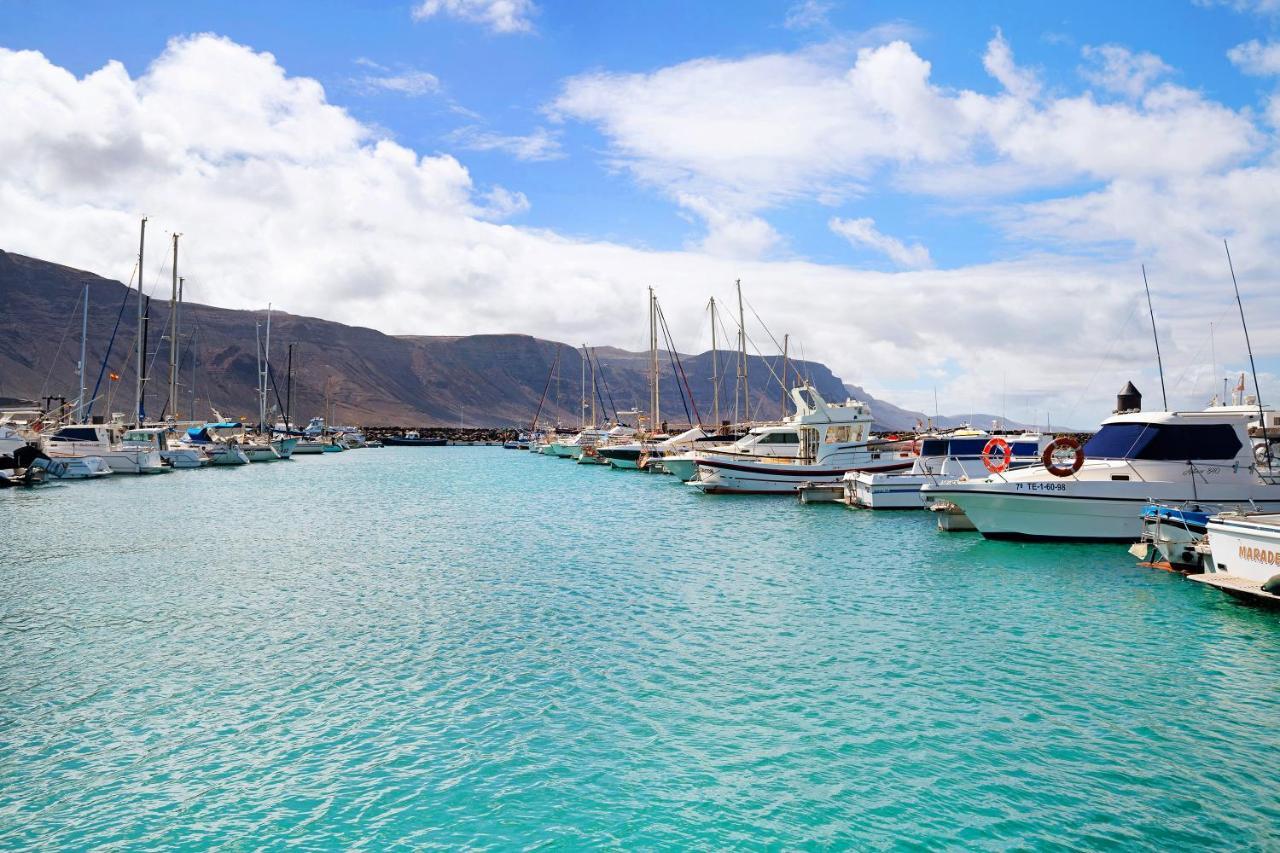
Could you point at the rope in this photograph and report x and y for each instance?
(111, 343)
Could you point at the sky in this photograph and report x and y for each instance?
(932, 198)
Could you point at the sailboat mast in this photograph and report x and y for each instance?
(173, 336)
(715, 367)
(84, 337)
(582, 408)
(288, 393)
(654, 416)
(257, 350)
(742, 357)
(593, 387)
(786, 342)
(137, 397)
(266, 373)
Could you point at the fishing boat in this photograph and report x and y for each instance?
(1242, 556)
(943, 457)
(820, 443)
(99, 440)
(1096, 491)
(412, 439)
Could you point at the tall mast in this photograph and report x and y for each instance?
(257, 350)
(266, 372)
(1257, 390)
(173, 336)
(654, 416)
(288, 394)
(715, 366)
(137, 396)
(84, 337)
(593, 387)
(1156, 337)
(742, 357)
(786, 342)
(582, 409)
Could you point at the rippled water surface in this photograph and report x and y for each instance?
(475, 647)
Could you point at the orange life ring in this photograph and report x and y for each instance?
(1065, 442)
(1006, 455)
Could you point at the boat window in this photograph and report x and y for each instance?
(933, 447)
(1168, 442)
(967, 446)
(839, 433)
(76, 434)
(779, 438)
(1026, 448)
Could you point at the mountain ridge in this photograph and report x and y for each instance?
(370, 377)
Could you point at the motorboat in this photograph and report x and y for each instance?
(1246, 545)
(820, 443)
(572, 448)
(221, 449)
(284, 446)
(412, 439)
(89, 440)
(1096, 491)
(655, 451)
(1170, 535)
(957, 455)
(157, 439)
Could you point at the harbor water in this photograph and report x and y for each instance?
(449, 647)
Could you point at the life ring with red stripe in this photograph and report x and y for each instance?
(1057, 468)
(1006, 455)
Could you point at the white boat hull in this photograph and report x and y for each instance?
(187, 457)
(227, 454)
(717, 475)
(260, 452)
(888, 491)
(135, 462)
(1068, 510)
(78, 468)
(1245, 549)
(284, 447)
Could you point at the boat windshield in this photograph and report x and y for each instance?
(1164, 442)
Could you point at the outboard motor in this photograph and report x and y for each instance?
(1128, 400)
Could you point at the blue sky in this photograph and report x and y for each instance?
(562, 107)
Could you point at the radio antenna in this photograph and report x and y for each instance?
(1156, 337)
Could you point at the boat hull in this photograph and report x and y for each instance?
(393, 441)
(184, 457)
(743, 477)
(1066, 511)
(1244, 549)
(887, 491)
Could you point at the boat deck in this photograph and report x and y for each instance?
(1245, 588)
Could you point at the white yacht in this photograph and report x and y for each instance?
(89, 440)
(157, 438)
(1137, 458)
(572, 448)
(820, 443)
(956, 455)
(631, 455)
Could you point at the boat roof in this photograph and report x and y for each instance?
(1219, 414)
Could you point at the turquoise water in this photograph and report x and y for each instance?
(476, 647)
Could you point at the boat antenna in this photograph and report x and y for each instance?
(1156, 337)
(1257, 391)
(1213, 357)
(141, 346)
(715, 369)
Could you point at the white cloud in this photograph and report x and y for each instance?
(1257, 7)
(284, 196)
(499, 16)
(730, 234)
(536, 146)
(807, 14)
(1022, 83)
(405, 81)
(1254, 57)
(862, 232)
(1118, 69)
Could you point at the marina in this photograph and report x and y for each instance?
(402, 660)
(505, 425)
